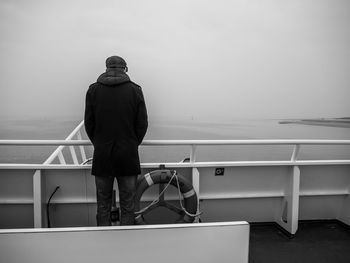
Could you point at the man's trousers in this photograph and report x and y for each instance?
(104, 194)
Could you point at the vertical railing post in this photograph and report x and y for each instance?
(61, 158)
(193, 153)
(39, 199)
(290, 203)
(74, 155)
(294, 190)
(295, 152)
(81, 147)
(195, 173)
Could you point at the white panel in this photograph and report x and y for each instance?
(251, 210)
(325, 178)
(244, 180)
(70, 215)
(320, 207)
(72, 184)
(16, 184)
(90, 185)
(204, 243)
(345, 212)
(16, 216)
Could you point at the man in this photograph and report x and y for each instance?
(116, 123)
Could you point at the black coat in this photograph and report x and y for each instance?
(116, 123)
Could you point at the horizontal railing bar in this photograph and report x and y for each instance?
(68, 201)
(16, 201)
(182, 142)
(44, 142)
(217, 164)
(270, 195)
(244, 142)
(310, 193)
(182, 165)
(320, 162)
(240, 195)
(19, 201)
(246, 163)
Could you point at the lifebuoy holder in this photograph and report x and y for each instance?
(187, 212)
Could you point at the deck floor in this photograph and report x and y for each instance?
(314, 242)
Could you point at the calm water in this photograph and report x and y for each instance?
(237, 129)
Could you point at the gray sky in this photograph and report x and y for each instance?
(201, 59)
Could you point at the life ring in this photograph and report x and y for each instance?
(189, 209)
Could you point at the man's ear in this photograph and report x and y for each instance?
(126, 69)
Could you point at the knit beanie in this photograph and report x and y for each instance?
(115, 62)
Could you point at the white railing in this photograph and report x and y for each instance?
(58, 151)
(291, 196)
(193, 144)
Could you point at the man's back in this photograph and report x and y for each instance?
(116, 112)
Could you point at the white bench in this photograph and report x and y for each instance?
(201, 242)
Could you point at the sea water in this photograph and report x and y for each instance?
(60, 128)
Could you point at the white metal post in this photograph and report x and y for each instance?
(290, 204)
(74, 156)
(82, 150)
(293, 211)
(195, 174)
(61, 158)
(39, 199)
(294, 185)
(289, 209)
(295, 152)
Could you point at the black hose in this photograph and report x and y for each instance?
(48, 207)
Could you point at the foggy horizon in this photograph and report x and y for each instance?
(195, 60)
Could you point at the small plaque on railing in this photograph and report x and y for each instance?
(219, 171)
